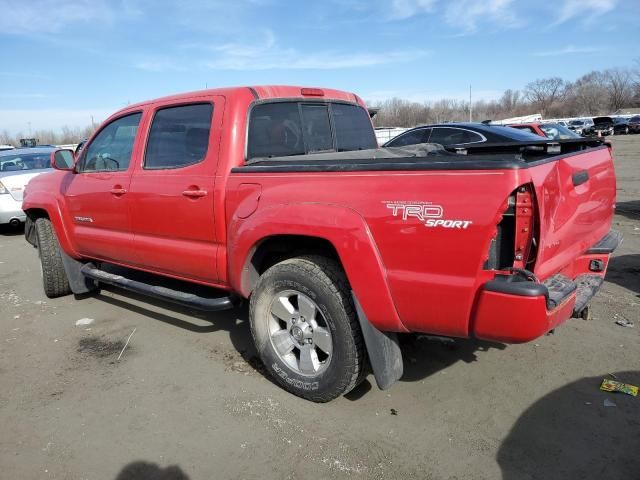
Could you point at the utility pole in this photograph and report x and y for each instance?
(470, 115)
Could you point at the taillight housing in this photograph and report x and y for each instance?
(514, 243)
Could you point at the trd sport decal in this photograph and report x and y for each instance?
(428, 213)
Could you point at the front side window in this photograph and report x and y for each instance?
(411, 138)
(281, 129)
(179, 136)
(111, 149)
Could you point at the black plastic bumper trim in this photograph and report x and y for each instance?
(515, 285)
(608, 244)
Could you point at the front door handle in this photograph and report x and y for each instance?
(194, 193)
(118, 190)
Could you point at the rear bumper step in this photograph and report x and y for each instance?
(608, 244)
(514, 310)
(189, 300)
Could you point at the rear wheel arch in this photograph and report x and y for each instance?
(277, 248)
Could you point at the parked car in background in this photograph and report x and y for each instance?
(620, 126)
(17, 167)
(6, 147)
(579, 126)
(602, 126)
(554, 131)
(384, 134)
(634, 124)
(460, 135)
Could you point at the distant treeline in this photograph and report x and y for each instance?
(64, 136)
(596, 93)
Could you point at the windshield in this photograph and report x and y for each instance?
(555, 131)
(620, 120)
(576, 123)
(25, 161)
(280, 129)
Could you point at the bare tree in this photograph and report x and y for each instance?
(587, 95)
(542, 93)
(620, 87)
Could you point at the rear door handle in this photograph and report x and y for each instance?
(194, 193)
(118, 190)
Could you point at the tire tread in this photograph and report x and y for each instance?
(54, 277)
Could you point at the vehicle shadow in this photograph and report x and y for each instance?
(630, 209)
(11, 231)
(150, 471)
(624, 270)
(570, 433)
(423, 355)
(235, 321)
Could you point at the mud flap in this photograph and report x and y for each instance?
(77, 281)
(383, 350)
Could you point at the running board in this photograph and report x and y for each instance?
(175, 296)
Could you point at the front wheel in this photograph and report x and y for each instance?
(305, 328)
(54, 277)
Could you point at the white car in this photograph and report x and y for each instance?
(17, 167)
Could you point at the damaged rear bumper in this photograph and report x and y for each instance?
(512, 309)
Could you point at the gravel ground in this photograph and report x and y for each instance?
(187, 399)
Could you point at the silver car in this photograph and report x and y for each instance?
(17, 167)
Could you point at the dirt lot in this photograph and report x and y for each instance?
(187, 399)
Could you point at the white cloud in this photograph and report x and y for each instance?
(467, 14)
(463, 15)
(568, 50)
(267, 54)
(587, 9)
(48, 16)
(401, 9)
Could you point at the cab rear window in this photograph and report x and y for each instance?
(283, 129)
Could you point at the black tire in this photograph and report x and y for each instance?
(54, 277)
(323, 281)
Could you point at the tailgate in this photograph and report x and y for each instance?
(16, 183)
(576, 201)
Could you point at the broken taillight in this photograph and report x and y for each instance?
(514, 243)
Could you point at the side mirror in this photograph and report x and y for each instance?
(63, 159)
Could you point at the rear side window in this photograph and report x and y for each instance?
(282, 129)
(411, 138)
(454, 136)
(179, 136)
(111, 148)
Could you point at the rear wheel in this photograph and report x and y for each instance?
(54, 277)
(305, 328)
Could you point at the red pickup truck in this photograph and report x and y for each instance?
(280, 195)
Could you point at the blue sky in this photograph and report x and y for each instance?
(62, 61)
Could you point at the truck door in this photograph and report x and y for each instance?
(96, 198)
(172, 190)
